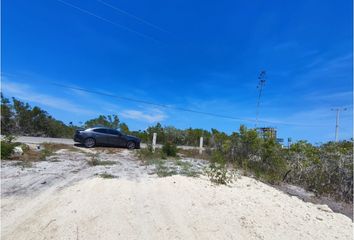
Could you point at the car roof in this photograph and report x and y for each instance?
(93, 128)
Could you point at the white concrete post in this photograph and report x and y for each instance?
(201, 145)
(154, 142)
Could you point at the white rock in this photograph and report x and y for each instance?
(17, 151)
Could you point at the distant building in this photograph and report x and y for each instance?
(266, 132)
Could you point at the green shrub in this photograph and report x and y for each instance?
(6, 149)
(7, 146)
(273, 163)
(146, 154)
(219, 174)
(218, 157)
(325, 170)
(169, 149)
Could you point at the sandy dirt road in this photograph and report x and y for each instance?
(68, 141)
(138, 205)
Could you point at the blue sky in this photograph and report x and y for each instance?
(202, 55)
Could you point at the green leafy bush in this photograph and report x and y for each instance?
(218, 157)
(6, 149)
(169, 149)
(7, 146)
(273, 165)
(219, 174)
(325, 170)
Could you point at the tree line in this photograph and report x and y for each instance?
(19, 118)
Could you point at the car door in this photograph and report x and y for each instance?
(101, 136)
(115, 138)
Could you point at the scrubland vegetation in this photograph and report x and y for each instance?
(167, 162)
(326, 169)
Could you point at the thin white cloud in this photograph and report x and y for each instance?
(324, 68)
(154, 116)
(317, 117)
(322, 63)
(345, 95)
(26, 93)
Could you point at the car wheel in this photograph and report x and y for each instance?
(89, 142)
(131, 145)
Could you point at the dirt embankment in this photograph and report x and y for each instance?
(139, 205)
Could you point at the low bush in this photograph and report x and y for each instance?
(325, 170)
(169, 149)
(219, 174)
(6, 149)
(7, 146)
(270, 165)
(218, 157)
(146, 154)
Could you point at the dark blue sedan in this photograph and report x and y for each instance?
(102, 136)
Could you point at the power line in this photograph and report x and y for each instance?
(133, 16)
(107, 20)
(151, 103)
(176, 108)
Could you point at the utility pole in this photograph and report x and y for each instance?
(338, 110)
(260, 86)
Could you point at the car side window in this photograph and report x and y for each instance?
(113, 132)
(100, 130)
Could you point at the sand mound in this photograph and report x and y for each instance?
(170, 208)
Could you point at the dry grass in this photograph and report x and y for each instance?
(95, 161)
(47, 149)
(109, 150)
(53, 147)
(24, 164)
(194, 153)
(166, 166)
(107, 175)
